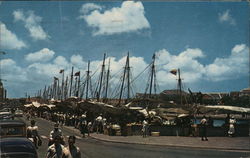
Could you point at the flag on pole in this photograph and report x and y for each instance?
(174, 71)
(61, 71)
(77, 73)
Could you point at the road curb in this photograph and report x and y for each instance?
(172, 145)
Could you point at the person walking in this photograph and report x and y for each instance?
(72, 150)
(32, 133)
(231, 130)
(144, 128)
(83, 127)
(204, 128)
(55, 132)
(89, 128)
(57, 150)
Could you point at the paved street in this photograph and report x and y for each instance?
(95, 148)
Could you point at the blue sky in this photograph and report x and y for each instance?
(208, 41)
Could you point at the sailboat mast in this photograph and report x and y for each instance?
(78, 88)
(66, 88)
(179, 84)
(152, 75)
(123, 79)
(87, 81)
(62, 95)
(100, 87)
(75, 91)
(128, 75)
(71, 79)
(107, 81)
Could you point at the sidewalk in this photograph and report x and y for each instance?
(217, 143)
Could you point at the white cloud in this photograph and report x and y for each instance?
(231, 67)
(187, 61)
(9, 40)
(42, 55)
(128, 18)
(226, 17)
(11, 72)
(77, 60)
(61, 61)
(86, 8)
(31, 23)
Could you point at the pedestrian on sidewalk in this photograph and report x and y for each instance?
(144, 128)
(72, 150)
(204, 128)
(231, 130)
(83, 126)
(89, 128)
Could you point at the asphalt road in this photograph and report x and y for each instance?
(91, 148)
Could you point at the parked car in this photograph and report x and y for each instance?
(17, 147)
(12, 128)
(6, 115)
(19, 113)
(13, 141)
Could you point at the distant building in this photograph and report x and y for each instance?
(245, 91)
(143, 95)
(173, 92)
(213, 97)
(173, 95)
(234, 94)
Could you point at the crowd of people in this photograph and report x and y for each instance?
(56, 145)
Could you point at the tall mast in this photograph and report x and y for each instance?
(128, 77)
(66, 88)
(44, 92)
(152, 75)
(75, 92)
(107, 81)
(58, 89)
(87, 81)
(71, 80)
(123, 79)
(78, 88)
(103, 68)
(54, 88)
(179, 84)
(62, 95)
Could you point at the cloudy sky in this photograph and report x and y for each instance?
(208, 41)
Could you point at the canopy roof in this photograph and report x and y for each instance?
(229, 108)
